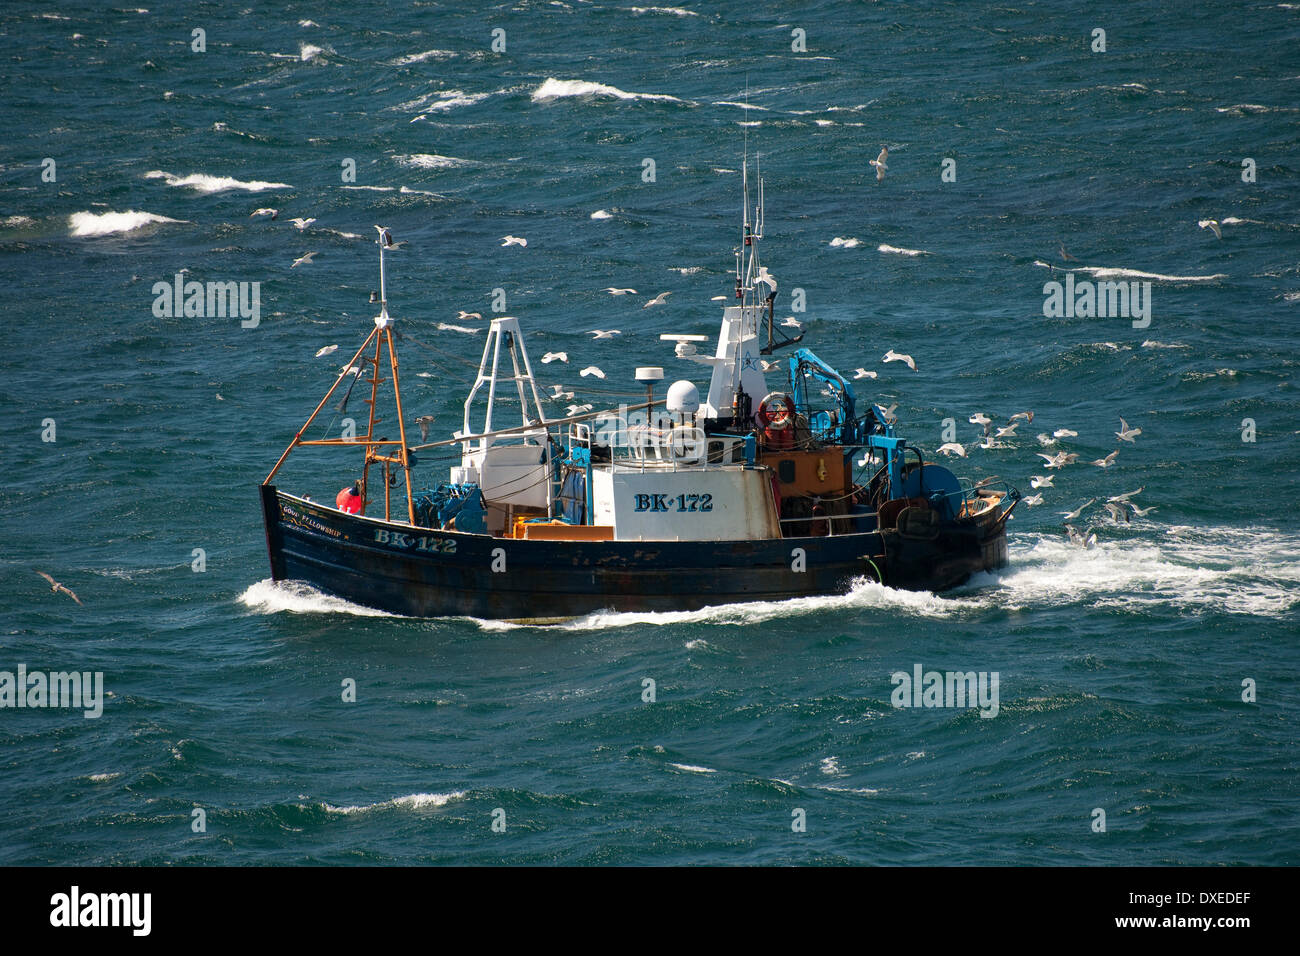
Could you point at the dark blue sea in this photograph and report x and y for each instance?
(1152, 677)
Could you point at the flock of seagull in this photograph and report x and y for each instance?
(1120, 508)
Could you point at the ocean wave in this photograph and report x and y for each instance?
(309, 51)
(900, 251)
(431, 161)
(1107, 272)
(298, 597)
(671, 11)
(13, 222)
(553, 89)
(213, 184)
(414, 801)
(446, 327)
(692, 768)
(841, 243)
(108, 223)
(421, 57)
(602, 214)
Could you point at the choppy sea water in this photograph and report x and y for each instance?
(1121, 667)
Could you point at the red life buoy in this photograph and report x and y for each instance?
(775, 417)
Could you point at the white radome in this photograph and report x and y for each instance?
(683, 398)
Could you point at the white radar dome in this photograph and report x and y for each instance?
(683, 398)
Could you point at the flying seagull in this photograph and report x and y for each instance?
(424, 421)
(604, 334)
(1108, 460)
(513, 241)
(1064, 433)
(550, 357)
(302, 223)
(657, 300)
(462, 315)
(1127, 434)
(863, 373)
(879, 163)
(56, 587)
(302, 259)
(1212, 225)
(1041, 481)
(266, 211)
(613, 291)
(592, 370)
(952, 448)
(892, 356)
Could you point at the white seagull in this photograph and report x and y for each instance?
(863, 373)
(1041, 481)
(1064, 433)
(301, 260)
(1033, 500)
(513, 241)
(1212, 225)
(1008, 432)
(592, 370)
(579, 409)
(266, 211)
(558, 392)
(1127, 434)
(603, 334)
(612, 291)
(302, 223)
(1127, 495)
(462, 315)
(790, 322)
(550, 357)
(952, 448)
(657, 300)
(892, 356)
(327, 350)
(879, 163)
(1108, 460)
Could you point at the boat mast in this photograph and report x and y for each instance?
(382, 336)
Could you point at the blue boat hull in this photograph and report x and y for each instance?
(430, 573)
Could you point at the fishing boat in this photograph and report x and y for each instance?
(745, 492)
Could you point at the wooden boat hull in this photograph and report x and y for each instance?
(428, 573)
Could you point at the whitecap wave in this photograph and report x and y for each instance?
(421, 57)
(414, 801)
(213, 184)
(671, 11)
(840, 242)
(431, 161)
(900, 251)
(692, 768)
(108, 223)
(602, 214)
(1106, 272)
(553, 89)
